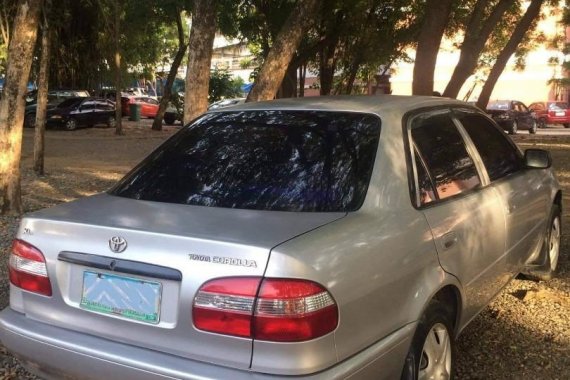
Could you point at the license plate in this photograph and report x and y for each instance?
(130, 298)
(560, 113)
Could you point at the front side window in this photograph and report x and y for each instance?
(263, 160)
(442, 148)
(500, 157)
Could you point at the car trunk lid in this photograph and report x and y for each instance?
(169, 252)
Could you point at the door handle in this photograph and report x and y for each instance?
(449, 240)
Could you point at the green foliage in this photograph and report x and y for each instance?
(222, 85)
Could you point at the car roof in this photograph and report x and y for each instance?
(351, 103)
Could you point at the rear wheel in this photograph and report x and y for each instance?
(550, 253)
(532, 129)
(111, 122)
(70, 125)
(566, 125)
(169, 118)
(432, 352)
(514, 128)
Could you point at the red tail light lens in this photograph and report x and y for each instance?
(294, 311)
(27, 267)
(225, 306)
(284, 310)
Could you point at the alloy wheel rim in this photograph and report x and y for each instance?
(435, 362)
(554, 243)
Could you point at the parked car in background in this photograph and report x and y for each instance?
(149, 106)
(512, 115)
(551, 113)
(55, 97)
(312, 238)
(226, 103)
(79, 112)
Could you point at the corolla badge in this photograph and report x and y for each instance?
(117, 244)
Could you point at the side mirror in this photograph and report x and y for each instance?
(537, 159)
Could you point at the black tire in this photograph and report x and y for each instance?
(514, 128)
(111, 122)
(550, 252)
(70, 125)
(30, 120)
(169, 118)
(533, 128)
(566, 125)
(436, 318)
(541, 123)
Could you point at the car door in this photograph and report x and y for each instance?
(84, 114)
(524, 116)
(524, 198)
(465, 215)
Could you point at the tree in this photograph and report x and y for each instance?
(202, 35)
(435, 21)
(12, 104)
(7, 14)
(117, 60)
(282, 51)
(41, 111)
(477, 32)
(182, 46)
(530, 16)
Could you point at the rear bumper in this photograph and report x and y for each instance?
(557, 119)
(55, 353)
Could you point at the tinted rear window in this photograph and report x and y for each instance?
(264, 160)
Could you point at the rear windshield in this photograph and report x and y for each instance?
(498, 105)
(69, 103)
(263, 160)
(557, 106)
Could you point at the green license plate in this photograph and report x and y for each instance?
(127, 297)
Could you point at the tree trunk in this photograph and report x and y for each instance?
(199, 59)
(532, 12)
(20, 53)
(283, 50)
(41, 111)
(288, 88)
(429, 40)
(157, 123)
(302, 76)
(118, 84)
(476, 36)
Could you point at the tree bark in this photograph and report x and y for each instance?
(41, 111)
(182, 46)
(429, 40)
(117, 42)
(302, 76)
(12, 105)
(199, 59)
(532, 12)
(288, 88)
(476, 35)
(283, 50)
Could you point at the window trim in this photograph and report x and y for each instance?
(413, 185)
(519, 153)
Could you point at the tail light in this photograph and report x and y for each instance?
(27, 267)
(277, 310)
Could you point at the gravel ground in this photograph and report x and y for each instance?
(523, 334)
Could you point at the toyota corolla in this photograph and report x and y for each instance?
(323, 238)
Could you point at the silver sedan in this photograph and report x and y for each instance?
(321, 238)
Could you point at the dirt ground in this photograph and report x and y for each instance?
(523, 334)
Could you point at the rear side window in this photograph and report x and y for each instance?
(264, 160)
(500, 157)
(441, 147)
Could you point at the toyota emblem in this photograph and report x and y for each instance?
(117, 244)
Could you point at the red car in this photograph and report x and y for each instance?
(149, 106)
(551, 113)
